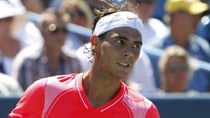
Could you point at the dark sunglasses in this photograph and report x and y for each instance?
(175, 68)
(59, 29)
(76, 13)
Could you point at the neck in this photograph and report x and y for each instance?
(100, 87)
(54, 60)
(181, 38)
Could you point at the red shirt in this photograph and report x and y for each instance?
(64, 97)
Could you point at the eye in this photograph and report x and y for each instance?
(136, 45)
(119, 41)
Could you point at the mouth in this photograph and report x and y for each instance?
(125, 65)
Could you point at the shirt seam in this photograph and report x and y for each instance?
(128, 109)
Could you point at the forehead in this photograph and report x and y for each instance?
(126, 32)
(176, 59)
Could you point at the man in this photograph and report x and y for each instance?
(99, 92)
(183, 19)
(49, 58)
(6, 38)
(81, 15)
(14, 32)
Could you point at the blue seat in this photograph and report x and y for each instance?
(204, 28)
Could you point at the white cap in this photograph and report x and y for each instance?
(11, 8)
(117, 20)
(19, 7)
(6, 10)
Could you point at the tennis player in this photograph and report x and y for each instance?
(99, 92)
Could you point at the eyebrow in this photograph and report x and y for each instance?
(138, 42)
(124, 38)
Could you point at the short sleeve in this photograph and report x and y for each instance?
(152, 112)
(31, 103)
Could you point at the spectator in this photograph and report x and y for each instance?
(37, 6)
(6, 37)
(80, 15)
(23, 28)
(34, 5)
(79, 11)
(175, 69)
(154, 29)
(9, 87)
(10, 10)
(184, 16)
(49, 58)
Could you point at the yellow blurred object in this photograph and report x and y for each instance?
(190, 6)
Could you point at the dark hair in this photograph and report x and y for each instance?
(51, 14)
(110, 7)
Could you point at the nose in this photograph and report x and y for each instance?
(127, 53)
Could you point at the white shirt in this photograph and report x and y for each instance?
(154, 29)
(9, 87)
(28, 35)
(143, 74)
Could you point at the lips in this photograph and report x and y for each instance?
(123, 64)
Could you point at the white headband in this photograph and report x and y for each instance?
(116, 20)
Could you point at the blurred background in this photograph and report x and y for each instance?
(41, 38)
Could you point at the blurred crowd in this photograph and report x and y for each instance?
(41, 38)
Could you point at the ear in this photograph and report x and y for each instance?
(94, 39)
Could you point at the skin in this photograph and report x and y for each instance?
(182, 25)
(145, 10)
(76, 18)
(53, 44)
(34, 5)
(7, 40)
(176, 81)
(102, 82)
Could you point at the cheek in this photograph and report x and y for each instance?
(5, 27)
(108, 54)
(137, 53)
(106, 49)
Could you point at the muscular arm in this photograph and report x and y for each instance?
(31, 103)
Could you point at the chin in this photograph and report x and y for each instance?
(121, 74)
